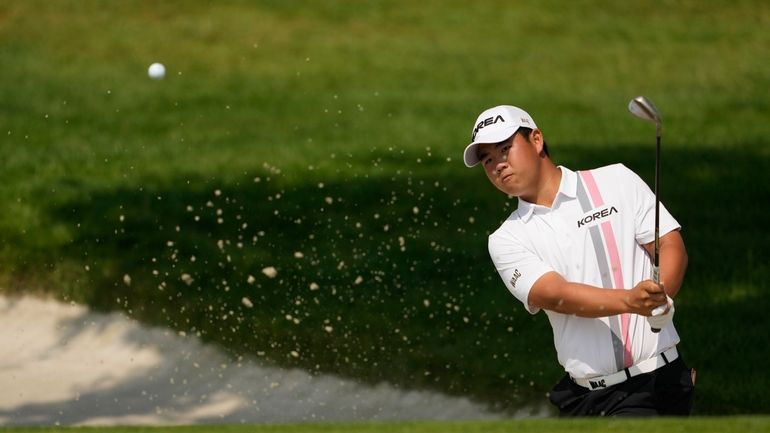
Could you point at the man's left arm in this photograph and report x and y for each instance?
(672, 260)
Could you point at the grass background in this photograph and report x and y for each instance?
(324, 139)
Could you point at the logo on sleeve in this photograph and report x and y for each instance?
(595, 216)
(515, 278)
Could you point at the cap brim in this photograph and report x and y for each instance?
(470, 156)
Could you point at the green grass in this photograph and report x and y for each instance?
(699, 425)
(336, 131)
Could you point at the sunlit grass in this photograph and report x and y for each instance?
(699, 425)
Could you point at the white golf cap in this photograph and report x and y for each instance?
(495, 125)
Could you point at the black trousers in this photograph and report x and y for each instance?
(667, 391)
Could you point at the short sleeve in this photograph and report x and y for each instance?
(518, 267)
(644, 207)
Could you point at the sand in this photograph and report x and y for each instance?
(63, 364)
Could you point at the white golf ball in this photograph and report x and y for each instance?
(156, 71)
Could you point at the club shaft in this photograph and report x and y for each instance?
(657, 203)
(656, 257)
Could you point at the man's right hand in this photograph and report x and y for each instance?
(645, 296)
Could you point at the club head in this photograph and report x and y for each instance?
(643, 108)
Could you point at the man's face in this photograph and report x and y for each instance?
(512, 165)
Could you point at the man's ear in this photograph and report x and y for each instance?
(536, 137)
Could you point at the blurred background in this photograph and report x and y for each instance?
(292, 191)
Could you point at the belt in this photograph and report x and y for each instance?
(646, 366)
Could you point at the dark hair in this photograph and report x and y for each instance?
(525, 132)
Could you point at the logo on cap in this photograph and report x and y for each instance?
(486, 122)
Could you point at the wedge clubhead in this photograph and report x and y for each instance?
(643, 108)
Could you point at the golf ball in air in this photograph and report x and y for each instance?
(156, 71)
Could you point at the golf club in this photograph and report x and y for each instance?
(643, 108)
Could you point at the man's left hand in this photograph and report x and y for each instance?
(661, 320)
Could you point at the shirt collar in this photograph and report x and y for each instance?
(567, 190)
(568, 186)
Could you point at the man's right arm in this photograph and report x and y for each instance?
(552, 292)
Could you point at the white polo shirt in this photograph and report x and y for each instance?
(592, 234)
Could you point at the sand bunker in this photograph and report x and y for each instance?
(62, 364)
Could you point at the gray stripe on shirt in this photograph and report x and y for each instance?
(604, 271)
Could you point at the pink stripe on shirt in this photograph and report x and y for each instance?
(615, 264)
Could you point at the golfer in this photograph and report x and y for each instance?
(579, 247)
